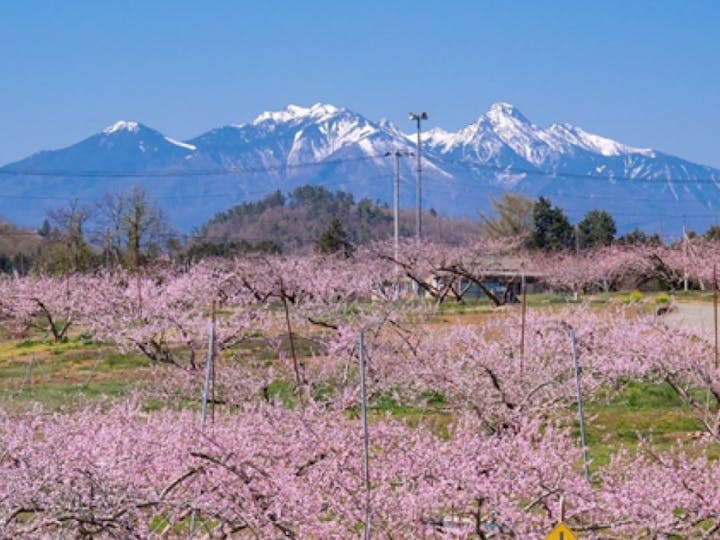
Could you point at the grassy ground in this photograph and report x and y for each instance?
(60, 375)
(640, 410)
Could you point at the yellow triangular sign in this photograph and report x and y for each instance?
(561, 532)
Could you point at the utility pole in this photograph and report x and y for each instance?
(396, 199)
(685, 258)
(396, 224)
(396, 206)
(418, 117)
(396, 209)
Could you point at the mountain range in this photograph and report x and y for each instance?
(337, 148)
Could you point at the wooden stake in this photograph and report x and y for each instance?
(300, 380)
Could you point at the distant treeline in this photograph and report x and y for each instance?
(130, 230)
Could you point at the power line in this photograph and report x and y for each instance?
(238, 171)
(172, 174)
(430, 188)
(224, 195)
(437, 183)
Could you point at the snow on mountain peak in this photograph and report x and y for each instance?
(434, 136)
(505, 129)
(122, 125)
(505, 122)
(502, 109)
(595, 143)
(324, 108)
(387, 126)
(295, 112)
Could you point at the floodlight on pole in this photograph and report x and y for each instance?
(418, 117)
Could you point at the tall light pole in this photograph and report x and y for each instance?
(418, 117)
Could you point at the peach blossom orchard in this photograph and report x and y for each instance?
(266, 467)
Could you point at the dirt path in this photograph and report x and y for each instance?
(698, 317)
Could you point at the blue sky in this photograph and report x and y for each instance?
(645, 73)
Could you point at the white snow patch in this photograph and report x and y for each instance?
(435, 137)
(181, 144)
(509, 179)
(122, 125)
(503, 109)
(595, 143)
(294, 112)
(428, 165)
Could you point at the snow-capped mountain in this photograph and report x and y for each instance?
(123, 146)
(298, 136)
(323, 144)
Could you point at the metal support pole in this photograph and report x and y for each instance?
(209, 376)
(685, 257)
(208, 370)
(418, 117)
(396, 210)
(419, 184)
(581, 413)
(366, 436)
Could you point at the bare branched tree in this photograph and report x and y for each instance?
(131, 228)
(71, 222)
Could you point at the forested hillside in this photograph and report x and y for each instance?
(298, 220)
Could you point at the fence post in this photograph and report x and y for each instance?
(27, 381)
